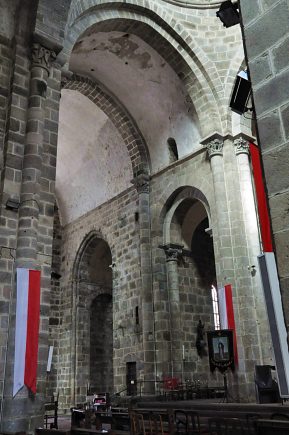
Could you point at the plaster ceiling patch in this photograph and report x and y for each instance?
(93, 164)
(146, 85)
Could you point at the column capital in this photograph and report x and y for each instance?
(42, 56)
(142, 183)
(215, 148)
(241, 146)
(214, 144)
(173, 251)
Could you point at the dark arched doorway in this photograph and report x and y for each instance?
(93, 319)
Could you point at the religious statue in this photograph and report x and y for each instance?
(200, 342)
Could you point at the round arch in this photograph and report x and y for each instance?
(92, 318)
(189, 265)
(182, 54)
(81, 249)
(182, 193)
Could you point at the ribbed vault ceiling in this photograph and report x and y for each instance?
(93, 162)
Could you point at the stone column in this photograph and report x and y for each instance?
(225, 269)
(25, 411)
(173, 253)
(141, 182)
(254, 247)
(226, 265)
(32, 164)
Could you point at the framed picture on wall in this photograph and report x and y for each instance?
(221, 349)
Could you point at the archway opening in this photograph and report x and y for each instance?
(101, 367)
(94, 320)
(187, 224)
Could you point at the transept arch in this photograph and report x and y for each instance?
(119, 116)
(191, 65)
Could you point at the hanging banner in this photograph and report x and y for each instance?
(26, 329)
(264, 218)
(226, 310)
(221, 350)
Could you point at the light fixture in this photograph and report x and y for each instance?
(228, 14)
(12, 204)
(241, 93)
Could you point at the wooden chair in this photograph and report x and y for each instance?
(251, 418)
(51, 412)
(226, 426)
(187, 422)
(156, 424)
(279, 416)
(137, 423)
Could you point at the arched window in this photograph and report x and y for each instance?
(215, 301)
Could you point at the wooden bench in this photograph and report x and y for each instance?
(269, 427)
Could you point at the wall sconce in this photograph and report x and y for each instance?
(252, 270)
(12, 204)
(228, 14)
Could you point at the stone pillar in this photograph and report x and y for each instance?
(225, 269)
(141, 182)
(254, 247)
(25, 411)
(231, 260)
(174, 253)
(26, 254)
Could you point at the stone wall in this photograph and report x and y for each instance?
(152, 289)
(267, 43)
(115, 223)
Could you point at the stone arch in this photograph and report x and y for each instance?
(161, 32)
(119, 116)
(92, 362)
(190, 272)
(175, 199)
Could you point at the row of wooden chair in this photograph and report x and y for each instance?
(179, 422)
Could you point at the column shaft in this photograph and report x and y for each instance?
(147, 308)
(24, 412)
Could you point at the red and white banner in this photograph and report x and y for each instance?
(264, 218)
(26, 329)
(226, 311)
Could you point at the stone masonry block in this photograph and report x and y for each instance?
(250, 10)
(270, 131)
(276, 20)
(279, 206)
(282, 253)
(272, 94)
(285, 119)
(280, 55)
(268, 3)
(260, 68)
(276, 163)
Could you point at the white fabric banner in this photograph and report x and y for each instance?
(20, 328)
(223, 308)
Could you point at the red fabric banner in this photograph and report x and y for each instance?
(33, 318)
(261, 199)
(231, 318)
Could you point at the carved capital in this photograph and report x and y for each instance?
(142, 183)
(241, 146)
(173, 252)
(215, 148)
(42, 56)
